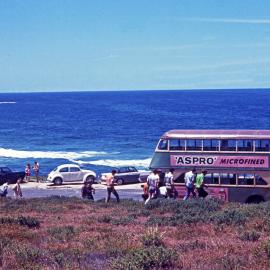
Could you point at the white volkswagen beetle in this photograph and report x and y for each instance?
(70, 173)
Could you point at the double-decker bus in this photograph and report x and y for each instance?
(236, 161)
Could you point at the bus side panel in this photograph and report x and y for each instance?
(242, 194)
(218, 192)
(213, 192)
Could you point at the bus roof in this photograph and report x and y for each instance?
(217, 133)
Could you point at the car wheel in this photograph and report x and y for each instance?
(57, 181)
(90, 179)
(120, 181)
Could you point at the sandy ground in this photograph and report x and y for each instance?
(33, 190)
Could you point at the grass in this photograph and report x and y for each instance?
(69, 233)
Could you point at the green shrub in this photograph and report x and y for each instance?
(266, 248)
(62, 233)
(62, 260)
(153, 237)
(249, 235)
(123, 220)
(184, 212)
(8, 220)
(231, 262)
(27, 257)
(194, 205)
(185, 247)
(30, 222)
(4, 243)
(147, 258)
(229, 217)
(104, 219)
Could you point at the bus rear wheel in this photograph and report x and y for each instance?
(255, 199)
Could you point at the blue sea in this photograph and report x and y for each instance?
(100, 130)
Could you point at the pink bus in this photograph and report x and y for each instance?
(236, 161)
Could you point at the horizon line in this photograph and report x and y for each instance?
(132, 90)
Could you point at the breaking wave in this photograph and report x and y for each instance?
(7, 102)
(10, 153)
(144, 163)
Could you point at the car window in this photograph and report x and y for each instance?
(65, 169)
(5, 170)
(74, 169)
(123, 170)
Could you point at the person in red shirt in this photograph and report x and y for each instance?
(27, 172)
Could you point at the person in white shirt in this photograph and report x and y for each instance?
(189, 182)
(152, 182)
(169, 184)
(4, 190)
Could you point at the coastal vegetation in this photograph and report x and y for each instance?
(71, 233)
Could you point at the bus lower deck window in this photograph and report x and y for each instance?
(227, 179)
(246, 179)
(259, 181)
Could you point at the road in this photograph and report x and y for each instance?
(34, 190)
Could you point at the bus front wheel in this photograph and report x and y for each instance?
(255, 199)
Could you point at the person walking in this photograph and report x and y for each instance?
(200, 184)
(17, 189)
(169, 183)
(145, 194)
(36, 170)
(110, 182)
(27, 172)
(88, 191)
(189, 183)
(152, 182)
(4, 190)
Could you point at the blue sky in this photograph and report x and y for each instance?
(133, 45)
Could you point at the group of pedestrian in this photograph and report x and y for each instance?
(154, 188)
(28, 171)
(16, 188)
(88, 190)
(195, 181)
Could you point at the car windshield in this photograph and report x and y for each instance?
(5, 170)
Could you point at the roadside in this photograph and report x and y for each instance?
(45, 189)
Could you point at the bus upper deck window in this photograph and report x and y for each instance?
(193, 144)
(245, 145)
(262, 145)
(163, 145)
(210, 145)
(228, 145)
(176, 144)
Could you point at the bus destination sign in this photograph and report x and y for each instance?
(220, 161)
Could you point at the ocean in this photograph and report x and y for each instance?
(101, 130)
